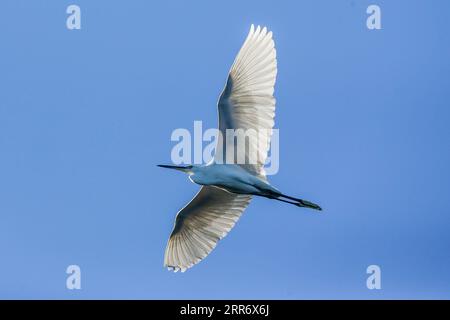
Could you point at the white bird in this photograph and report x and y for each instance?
(246, 102)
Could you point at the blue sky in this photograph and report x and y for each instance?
(85, 116)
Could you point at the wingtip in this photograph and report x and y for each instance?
(260, 29)
(175, 269)
(252, 29)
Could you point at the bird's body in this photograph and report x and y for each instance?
(230, 177)
(246, 103)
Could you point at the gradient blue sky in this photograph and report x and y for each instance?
(364, 131)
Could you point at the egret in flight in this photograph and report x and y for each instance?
(246, 102)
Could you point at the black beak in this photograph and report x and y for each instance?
(181, 168)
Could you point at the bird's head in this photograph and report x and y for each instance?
(186, 168)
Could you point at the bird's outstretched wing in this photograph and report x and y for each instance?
(247, 100)
(201, 224)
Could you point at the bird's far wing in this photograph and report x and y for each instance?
(247, 100)
(201, 224)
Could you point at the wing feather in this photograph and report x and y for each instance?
(210, 215)
(247, 101)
